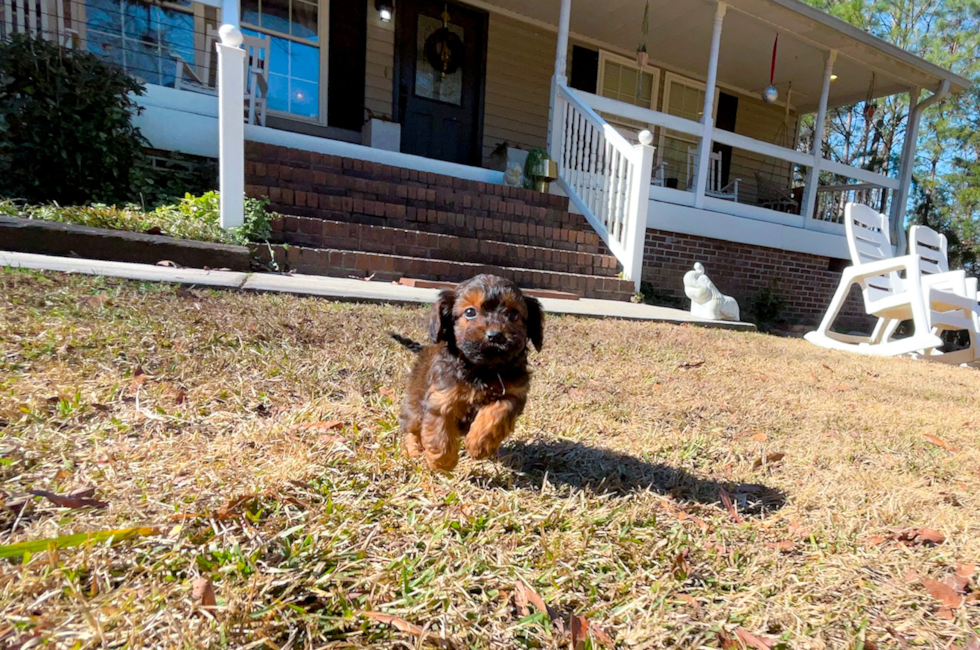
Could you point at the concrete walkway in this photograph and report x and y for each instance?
(337, 288)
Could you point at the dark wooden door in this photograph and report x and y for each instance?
(440, 50)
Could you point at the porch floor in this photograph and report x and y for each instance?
(343, 289)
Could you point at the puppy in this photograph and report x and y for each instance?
(472, 381)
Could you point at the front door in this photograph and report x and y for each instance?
(440, 50)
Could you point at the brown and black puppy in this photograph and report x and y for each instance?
(473, 380)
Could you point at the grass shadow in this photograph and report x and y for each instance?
(604, 471)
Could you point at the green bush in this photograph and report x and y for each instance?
(193, 217)
(766, 308)
(66, 130)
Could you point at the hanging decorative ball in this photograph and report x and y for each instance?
(770, 95)
(869, 110)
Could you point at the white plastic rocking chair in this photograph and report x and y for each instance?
(930, 305)
(932, 249)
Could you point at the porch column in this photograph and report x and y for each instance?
(819, 128)
(231, 120)
(561, 64)
(901, 198)
(708, 120)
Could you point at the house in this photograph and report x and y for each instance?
(381, 129)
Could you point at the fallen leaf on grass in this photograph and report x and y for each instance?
(138, 378)
(690, 600)
(66, 541)
(752, 641)
(961, 576)
(681, 569)
(95, 301)
(701, 523)
(181, 396)
(322, 426)
(726, 500)
(924, 536)
(973, 643)
(71, 500)
(875, 540)
(691, 364)
(204, 593)
(402, 625)
(784, 546)
(760, 437)
(580, 631)
(939, 442)
(943, 593)
(796, 529)
(524, 595)
(771, 459)
(229, 508)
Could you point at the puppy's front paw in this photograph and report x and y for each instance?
(480, 447)
(412, 445)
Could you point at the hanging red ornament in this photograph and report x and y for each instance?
(771, 93)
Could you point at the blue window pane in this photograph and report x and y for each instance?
(278, 93)
(303, 98)
(279, 56)
(103, 15)
(304, 62)
(106, 47)
(250, 12)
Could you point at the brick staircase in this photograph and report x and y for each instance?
(346, 217)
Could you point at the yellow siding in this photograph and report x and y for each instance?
(380, 65)
(520, 60)
(761, 121)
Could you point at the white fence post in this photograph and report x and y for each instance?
(231, 125)
(636, 225)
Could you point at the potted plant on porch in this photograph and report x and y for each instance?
(539, 170)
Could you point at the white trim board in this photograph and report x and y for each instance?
(179, 120)
(741, 230)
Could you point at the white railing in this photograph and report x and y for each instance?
(47, 19)
(831, 200)
(605, 176)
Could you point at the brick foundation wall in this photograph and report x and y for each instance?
(806, 282)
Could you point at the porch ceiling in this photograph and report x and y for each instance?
(680, 36)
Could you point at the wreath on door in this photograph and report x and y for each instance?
(444, 51)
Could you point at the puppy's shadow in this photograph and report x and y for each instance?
(604, 471)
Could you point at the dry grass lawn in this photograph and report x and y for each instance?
(185, 410)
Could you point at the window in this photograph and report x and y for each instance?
(684, 98)
(623, 80)
(294, 57)
(140, 37)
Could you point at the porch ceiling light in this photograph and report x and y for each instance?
(833, 77)
(385, 10)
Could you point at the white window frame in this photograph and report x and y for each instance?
(671, 78)
(323, 32)
(606, 56)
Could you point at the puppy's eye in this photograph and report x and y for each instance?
(513, 315)
(470, 313)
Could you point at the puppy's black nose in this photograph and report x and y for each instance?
(495, 336)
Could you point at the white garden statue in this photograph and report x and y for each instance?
(514, 176)
(706, 300)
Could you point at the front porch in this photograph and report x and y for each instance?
(715, 161)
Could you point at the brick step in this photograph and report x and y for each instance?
(342, 235)
(391, 268)
(459, 225)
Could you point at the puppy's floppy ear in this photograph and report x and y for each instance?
(535, 322)
(441, 320)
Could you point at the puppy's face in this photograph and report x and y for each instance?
(487, 320)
